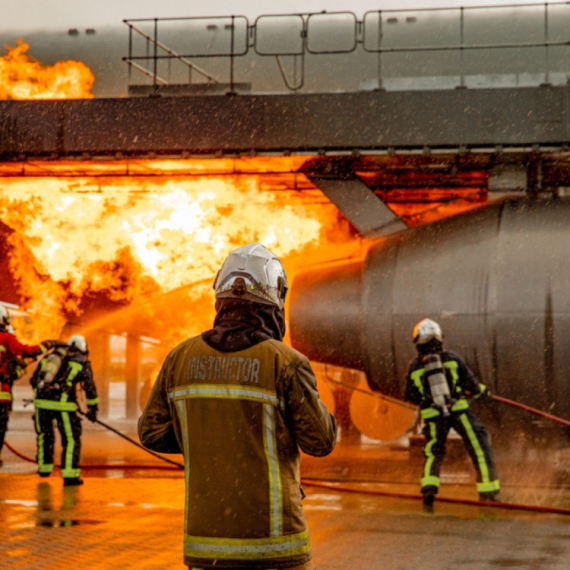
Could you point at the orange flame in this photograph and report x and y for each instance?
(24, 77)
(135, 239)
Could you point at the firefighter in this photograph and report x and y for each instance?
(11, 353)
(56, 382)
(239, 403)
(440, 382)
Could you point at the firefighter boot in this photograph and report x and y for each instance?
(429, 498)
(72, 481)
(489, 497)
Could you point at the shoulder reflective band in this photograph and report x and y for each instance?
(428, 413)
(247, 549)
(224, 391)
(462, 404)
(93, 402)
(75, 369)
(2, 348)
(53, 405)
(452, 366)
(416, 376)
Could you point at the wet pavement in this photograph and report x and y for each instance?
(132, 518)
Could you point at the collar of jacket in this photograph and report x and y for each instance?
(241, 324)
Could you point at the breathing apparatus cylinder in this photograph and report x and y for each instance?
(50, 367)
(438, 385)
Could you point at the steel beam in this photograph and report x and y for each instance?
(464, 118)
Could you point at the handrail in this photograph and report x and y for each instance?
(355, 35)
(171, 54)
(146, 72)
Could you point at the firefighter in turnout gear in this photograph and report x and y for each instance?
(239, 403)
(56, 381)
(12, 366)
(440, 382)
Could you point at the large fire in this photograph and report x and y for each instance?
(24, 77)
(153, 244)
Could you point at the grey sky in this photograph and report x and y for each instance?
(63, 14)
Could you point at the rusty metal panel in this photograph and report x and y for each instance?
(31, 127)
(367, 213)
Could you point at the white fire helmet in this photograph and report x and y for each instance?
(252, 273)
(426, 330)
(4, 316)
(77, 341)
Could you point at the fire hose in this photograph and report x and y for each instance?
(531, 410)
(332, 486)
(120, 434)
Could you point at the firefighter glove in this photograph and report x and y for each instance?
(92, 413)
(484, 394)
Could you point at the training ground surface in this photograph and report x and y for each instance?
(133, 518)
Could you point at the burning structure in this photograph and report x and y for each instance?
(137, 253)
(116, 213)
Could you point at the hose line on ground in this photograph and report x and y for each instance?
(335, 487)
(102, 466)
(110, 428)
(120, 434)
(417, 497)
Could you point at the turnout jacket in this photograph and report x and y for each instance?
(461, 381)
(10, 349)
(239, 418)
(61, 393)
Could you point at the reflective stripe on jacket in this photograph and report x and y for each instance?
(238, 418)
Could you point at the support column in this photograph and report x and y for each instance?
(99, 344)
(348, 431)
(534, 176)
(133, 376)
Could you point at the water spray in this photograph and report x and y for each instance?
(326, 484)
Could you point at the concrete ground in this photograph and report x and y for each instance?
(132, 518)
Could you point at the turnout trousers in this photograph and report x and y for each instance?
(5, 408)
(69, 426)
(476, 440)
